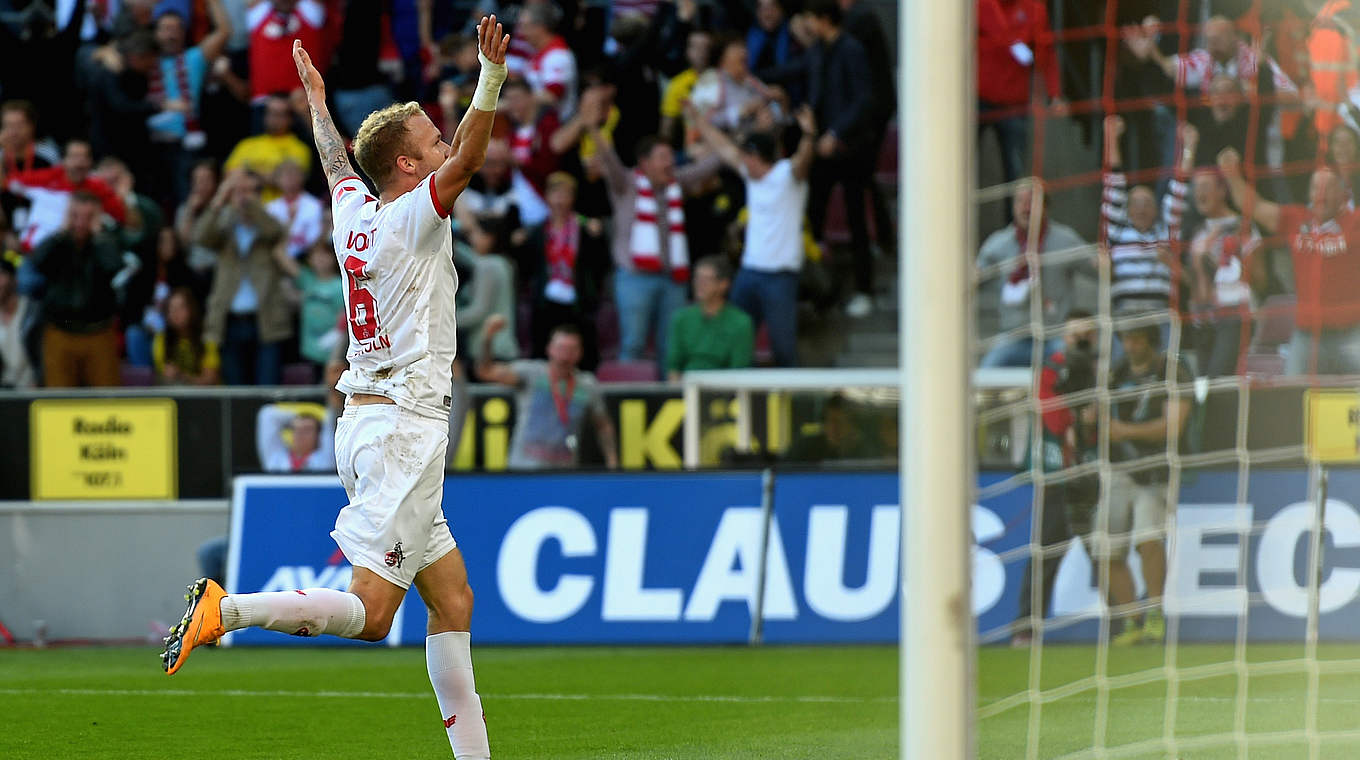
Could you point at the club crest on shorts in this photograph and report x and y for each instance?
(395, 557)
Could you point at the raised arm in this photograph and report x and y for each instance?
(714, 138)
(488, 369)
(213, 44)
(468, 144)
(802, 157)
(329, 145)
(1264, 212)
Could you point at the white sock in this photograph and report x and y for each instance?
(301, 613)
(449, 661)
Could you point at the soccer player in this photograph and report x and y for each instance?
(396, 252)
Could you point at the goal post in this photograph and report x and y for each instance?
(935, 210)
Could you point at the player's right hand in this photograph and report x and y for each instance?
(311, 78)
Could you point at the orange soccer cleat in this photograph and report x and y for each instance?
(201, 624)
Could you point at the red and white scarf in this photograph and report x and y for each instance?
(563, 244)
(645, 242)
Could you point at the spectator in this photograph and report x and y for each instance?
(551, 71)
(79, 305)
(838, 439)
(1224, 52)
(531, 129)
(1324, 241)
(728, 93)
(571, 257)
(49, 192)
(862, 23)
(491, 294)
(1220, 245)
(178, 133)
(180, 353)
(263, 154)
(1343, 151)
(1067, 505)
(1014, 40)
(292, 441)
(20, 148)
(20, 152)
(202, 188)
(499, 191)
(121, 102)
(274, 24)
(651, 254)
(769, 42)
(772, 256)
(1005, 250)
(168, 273)
(323, 299)
(698, 51)
(710, 333)
(1144, 269)
(1135, 509)
(15, 369)
(358, 85)
(838, 89)
(1224, 123)
(552, 401)
(300, 213)
(137, 239)
(246, 315)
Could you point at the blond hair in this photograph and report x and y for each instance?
(382, 137)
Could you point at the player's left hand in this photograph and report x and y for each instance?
(492, 42)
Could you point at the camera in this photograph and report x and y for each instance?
(1078, 371)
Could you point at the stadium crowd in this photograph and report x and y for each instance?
(1230, 143)
(164, 219)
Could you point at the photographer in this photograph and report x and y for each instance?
(1067, 504)
(1136, 509)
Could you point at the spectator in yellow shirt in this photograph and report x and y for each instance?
(180, 354)
(262, 154)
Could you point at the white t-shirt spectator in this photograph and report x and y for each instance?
(774, 225)
(302, 217)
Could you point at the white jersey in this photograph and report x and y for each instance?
(397, 260)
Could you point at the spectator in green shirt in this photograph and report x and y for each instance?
(710, 333)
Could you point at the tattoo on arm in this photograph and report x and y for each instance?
(331, 147)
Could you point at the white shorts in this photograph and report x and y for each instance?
(1133, 513)
(391, 462)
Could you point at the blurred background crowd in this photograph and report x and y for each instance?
(164, 220)
(1227, 139)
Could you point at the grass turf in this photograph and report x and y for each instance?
(644, 703)
(775, 702)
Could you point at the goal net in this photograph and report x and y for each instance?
(1164, 520)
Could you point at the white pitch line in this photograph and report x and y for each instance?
(426, 695)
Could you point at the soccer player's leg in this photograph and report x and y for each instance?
(443, 585)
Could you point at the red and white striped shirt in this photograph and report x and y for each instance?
(1196, 68)
(553, 70)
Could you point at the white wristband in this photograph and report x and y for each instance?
(488, 84)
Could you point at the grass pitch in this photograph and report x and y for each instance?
(644, 703)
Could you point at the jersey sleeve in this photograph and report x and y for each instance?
(349, 196)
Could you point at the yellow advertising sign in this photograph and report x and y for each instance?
(1331, 425)
(103, 449)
